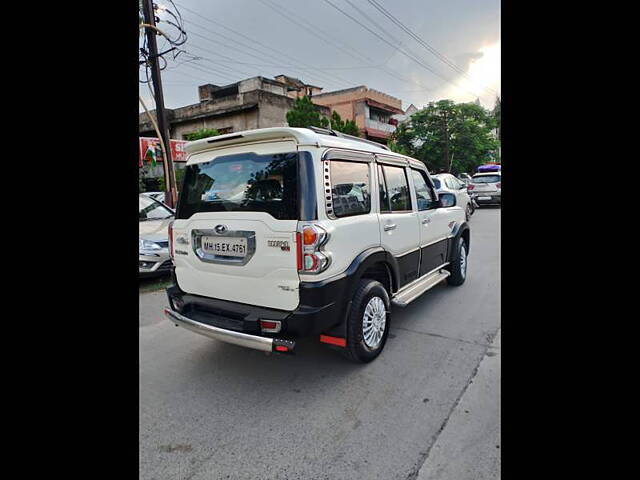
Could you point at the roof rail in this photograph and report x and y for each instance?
(334, 133)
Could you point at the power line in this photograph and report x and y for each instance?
(300, 23)
(408, 55)
(302, 67)
(422, 42)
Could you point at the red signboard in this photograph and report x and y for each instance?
(177, 150)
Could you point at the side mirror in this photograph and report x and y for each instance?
(447, 200)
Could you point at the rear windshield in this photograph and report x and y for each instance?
(150, 209)
(486, 179)
(242, 183)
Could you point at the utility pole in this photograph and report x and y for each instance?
(161, 114)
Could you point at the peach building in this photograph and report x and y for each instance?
(372, 110)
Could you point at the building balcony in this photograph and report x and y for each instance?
(378, 129)
(384, 127)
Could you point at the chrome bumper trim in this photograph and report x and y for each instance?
(228, 336)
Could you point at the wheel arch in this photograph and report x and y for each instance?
(460, 230)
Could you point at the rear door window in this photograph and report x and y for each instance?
(350, 188)
(245, 182)
(397, 188)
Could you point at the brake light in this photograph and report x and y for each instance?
(171, 239)
(309, 243)
(299, 250)
(470, 187)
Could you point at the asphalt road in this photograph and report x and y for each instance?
(427, 408)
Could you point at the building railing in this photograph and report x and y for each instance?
(384, 127)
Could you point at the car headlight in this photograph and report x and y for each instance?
(148, 245)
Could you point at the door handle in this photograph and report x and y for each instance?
(426, 221)
(390, 226)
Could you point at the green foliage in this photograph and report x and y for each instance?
(179, 176)
(465, 128)
(202, 133)
(497, 116)
(349, 127)
(305, 114)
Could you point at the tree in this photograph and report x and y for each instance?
(448, 136)
(202, 133)
(305, 114)
(349, 127)
(496, 115)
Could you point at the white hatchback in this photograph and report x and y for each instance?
(447, 183)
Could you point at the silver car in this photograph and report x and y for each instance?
(154, 218)
(486, 188)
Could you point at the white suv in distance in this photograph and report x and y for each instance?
(486, 188)
(282, 233)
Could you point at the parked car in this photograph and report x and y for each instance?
(486, 188)
(464, 177)
(283, 233)
(154, 219)
(445, 182)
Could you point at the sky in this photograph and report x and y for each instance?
(230, 40)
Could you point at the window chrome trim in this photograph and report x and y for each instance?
(345, 154)
(389, 160)
(196, 245)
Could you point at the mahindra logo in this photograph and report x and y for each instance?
(220, 229)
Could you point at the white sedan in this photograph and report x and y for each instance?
(447, 183)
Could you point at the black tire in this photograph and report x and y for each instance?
(458, 272)
(357, 350)
(468, 212)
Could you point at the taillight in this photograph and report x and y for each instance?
(498, 185)
(309, 242)
(470, 187)
(171, 239)
(309, 235)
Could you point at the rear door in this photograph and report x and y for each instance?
(235, 228)
(434, 228)
(399, 230)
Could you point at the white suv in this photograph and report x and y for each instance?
(282, 233)
(486, 188)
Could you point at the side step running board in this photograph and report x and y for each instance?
(405, 297)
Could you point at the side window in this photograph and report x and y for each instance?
(350, 188)
(384, 197)
(449, 182)
(423, 192)
(397, 188)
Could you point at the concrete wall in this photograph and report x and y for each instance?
(354, 94)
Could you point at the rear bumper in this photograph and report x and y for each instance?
(322, 306)
(492, 197)
(229, 336)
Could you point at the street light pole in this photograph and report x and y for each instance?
(161, 114)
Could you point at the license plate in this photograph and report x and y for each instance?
(225, 246)
(484, 198)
